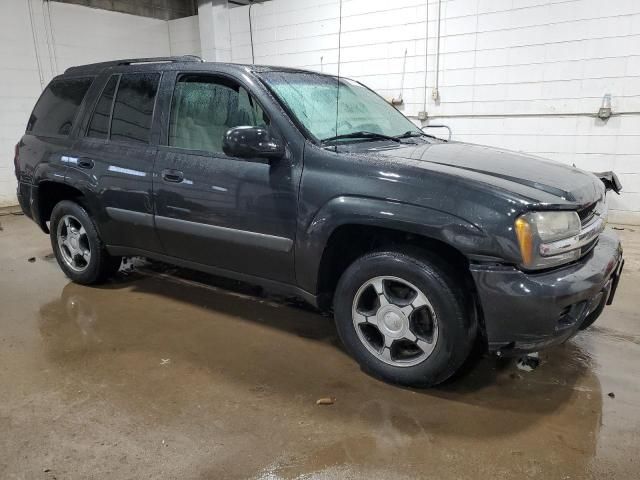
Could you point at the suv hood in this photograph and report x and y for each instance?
(526, 175)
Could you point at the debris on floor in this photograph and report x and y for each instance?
(325, 401)
(49, 475)
(165, 361)
(528, 363)
(31, 259)
(612, 395)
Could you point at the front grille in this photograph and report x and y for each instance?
(587, 213)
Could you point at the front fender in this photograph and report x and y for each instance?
(312, 238)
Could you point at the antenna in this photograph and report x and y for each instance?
(338, 88)
(253, 59)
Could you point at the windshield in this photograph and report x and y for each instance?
(314, 101)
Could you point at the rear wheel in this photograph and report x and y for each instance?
(405, 317)
(77, 246)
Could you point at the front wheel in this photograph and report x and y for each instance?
(77, 245)
(405, 317)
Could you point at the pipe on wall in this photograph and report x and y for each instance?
(515, 115)
(426, 60)
(436, 88)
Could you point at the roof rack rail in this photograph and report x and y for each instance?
(132, 61)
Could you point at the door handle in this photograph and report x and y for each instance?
(170, 175)
(78, 161)
(85, 163)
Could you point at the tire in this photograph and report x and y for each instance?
(444, 321)
(73, 234)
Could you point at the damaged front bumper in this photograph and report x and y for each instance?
(526, 312)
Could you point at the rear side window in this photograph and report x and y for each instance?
(133, 108)
(57, 107)
(100, 120)
(125, 115)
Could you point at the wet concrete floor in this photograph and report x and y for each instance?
(164, 373)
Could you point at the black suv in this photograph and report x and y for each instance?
(312, 185)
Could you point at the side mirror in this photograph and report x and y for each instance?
(251, 142)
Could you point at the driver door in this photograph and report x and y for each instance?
(213, 209)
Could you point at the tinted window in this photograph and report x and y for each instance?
(133, 108)
(99, 126)
(57, 107)
(204, 108)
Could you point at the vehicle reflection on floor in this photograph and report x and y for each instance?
(165, 373)
(171, 343)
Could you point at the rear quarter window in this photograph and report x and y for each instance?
(101, 119)
(133, 107)
(56, 110)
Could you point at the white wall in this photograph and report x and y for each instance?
(215, 34)
(85, 35)
(66, 35)
(19, 85)
(184, 36)
(497, 57)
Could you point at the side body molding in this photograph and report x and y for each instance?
(232, 235)
(135, 218)
(355, 210)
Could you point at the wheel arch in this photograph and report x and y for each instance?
(351, 241)
(348, 227)
(49, 193)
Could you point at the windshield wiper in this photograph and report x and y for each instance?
(361, 134)
(414, 133)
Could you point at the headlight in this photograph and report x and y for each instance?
(548, 239)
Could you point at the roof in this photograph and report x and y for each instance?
(96, 68)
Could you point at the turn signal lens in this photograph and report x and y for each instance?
(525, 240)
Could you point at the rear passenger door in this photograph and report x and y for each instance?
(114, 160)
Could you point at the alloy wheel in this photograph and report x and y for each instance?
(395, 321)
(73, 243)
